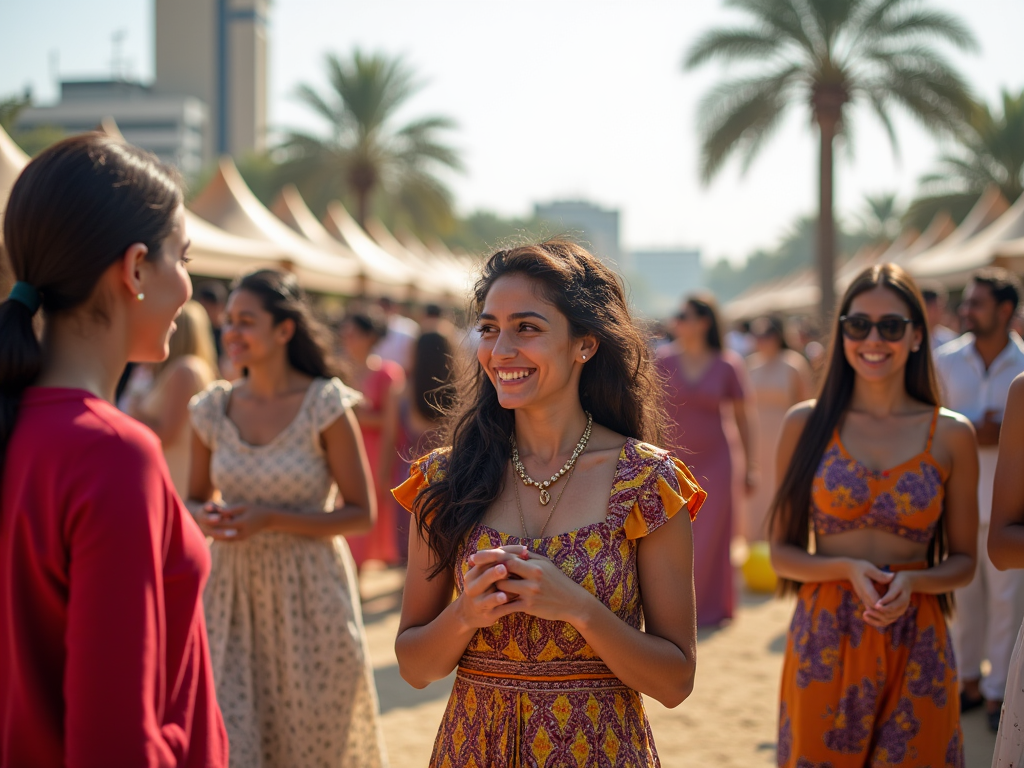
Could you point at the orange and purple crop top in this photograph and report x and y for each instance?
(905, 500)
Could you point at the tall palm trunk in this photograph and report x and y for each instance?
(828, 105)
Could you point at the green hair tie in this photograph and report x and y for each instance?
(25, 293)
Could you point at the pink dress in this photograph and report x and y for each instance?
(701, 433)
(381, 543)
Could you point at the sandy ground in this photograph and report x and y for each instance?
(729, 720)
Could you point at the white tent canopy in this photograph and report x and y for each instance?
(229, 204)
(990, 206)
(953, 266)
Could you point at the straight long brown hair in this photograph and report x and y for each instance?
(791, 508)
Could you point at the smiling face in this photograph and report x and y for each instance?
(874, 358)
(526, 347)
(249, 334)
(166, 287)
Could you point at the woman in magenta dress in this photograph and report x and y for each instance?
(706, 400)
(381, 383)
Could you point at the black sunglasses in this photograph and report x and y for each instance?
(858, 327)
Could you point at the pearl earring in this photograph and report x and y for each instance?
(140, 296)
(584, 357)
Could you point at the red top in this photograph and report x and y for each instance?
(103, 653)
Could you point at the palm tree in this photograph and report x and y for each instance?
(378, 168)
(989, 152)
(828, 54)
(880, 219)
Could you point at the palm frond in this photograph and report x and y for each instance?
(740, 114)
(732, 45)
(785, 18)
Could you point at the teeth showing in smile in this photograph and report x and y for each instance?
(874, 358)
(513, 375)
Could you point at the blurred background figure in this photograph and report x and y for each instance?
(401, 333)
(381, 381)
(428, 397)
(213, 297)
(936, 299)
(975, 372)
(706, 398)
(739, 339)
(190, 367)
(780, 378)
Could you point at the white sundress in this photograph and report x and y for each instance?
(287, 643)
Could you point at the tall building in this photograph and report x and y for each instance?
(599, 227)
(170, 126)
(216, 51)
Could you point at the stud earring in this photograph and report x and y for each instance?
(915, 349)
(584, 357)
(140, 296)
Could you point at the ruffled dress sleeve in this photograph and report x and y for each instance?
(330, 401)
(206, 410)
(423, 472)
(668, 487)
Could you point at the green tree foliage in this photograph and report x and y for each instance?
(32, 141)
(989, 151)
(793, 253)
(880, 218)
(827, 55)
(376, 167)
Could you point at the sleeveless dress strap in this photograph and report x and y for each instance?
(931, 432)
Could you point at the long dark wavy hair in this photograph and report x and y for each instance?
(73, 212)
(309, 349)
(618, 387)
(791, 508)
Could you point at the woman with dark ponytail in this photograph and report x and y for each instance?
(552, 578)
(103, 651)
(886, 482)
(282, 447)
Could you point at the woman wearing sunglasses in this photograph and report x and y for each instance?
(873, 526)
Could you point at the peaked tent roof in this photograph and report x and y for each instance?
(954, 265)
(990, 206)
(339, 222)
(380, 276)
(228, 203)
(419, 258)
(938, 229)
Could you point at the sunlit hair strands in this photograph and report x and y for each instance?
(618, 386)
(791, 507)
(74, 211)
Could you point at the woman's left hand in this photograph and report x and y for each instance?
(234, 523)
(892, 604)
(542, 589)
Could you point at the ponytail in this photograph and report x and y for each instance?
(73, 212)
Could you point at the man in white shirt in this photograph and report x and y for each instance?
(397, 344)
(975, 372)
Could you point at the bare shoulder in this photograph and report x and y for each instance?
(1016, 392)
(955, 431)
(797, 416)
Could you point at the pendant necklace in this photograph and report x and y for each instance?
(543, 485)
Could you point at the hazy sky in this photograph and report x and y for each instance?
(554, 99)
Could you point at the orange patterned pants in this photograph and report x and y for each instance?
(856, 696)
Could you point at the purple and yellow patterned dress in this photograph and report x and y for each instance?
(532, 692)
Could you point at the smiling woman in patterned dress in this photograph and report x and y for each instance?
(869, 676)
(572, 598)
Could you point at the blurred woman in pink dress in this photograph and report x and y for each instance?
(381, 383)
(781, 378)
(706, 397)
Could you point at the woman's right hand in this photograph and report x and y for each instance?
(481, 603)
(863, 575)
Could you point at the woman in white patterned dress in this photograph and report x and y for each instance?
(281, 448)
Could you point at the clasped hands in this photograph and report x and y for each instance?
(868, 580)
(235, 523)
(512, 579)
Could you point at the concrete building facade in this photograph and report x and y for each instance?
(216, 51)
(597, 227)
(172, 127)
